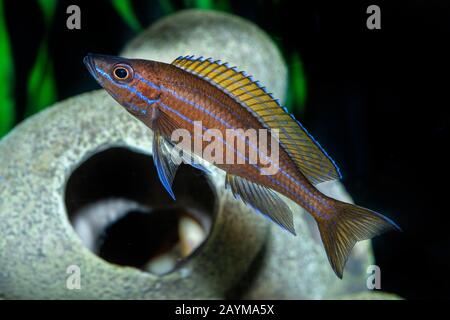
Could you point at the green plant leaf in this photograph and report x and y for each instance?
(222, 5)
(7, 112)
(48, 8)
(41, 89)
(204, 4)
(125, 9)
(166, 6)
(297, 91)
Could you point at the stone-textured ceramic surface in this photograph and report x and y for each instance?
(370, 295)
(37, 243)
(244, 256)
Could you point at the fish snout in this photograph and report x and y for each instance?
(100, 64)
(89, 62)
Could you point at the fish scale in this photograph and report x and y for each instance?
(197, 94)
(172, 97)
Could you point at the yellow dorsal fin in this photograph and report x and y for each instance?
(307, 154)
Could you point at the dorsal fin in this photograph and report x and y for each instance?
(308, 155)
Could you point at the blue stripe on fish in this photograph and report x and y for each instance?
(225, 123)
(191, 58)
(304, 203)
(150, 101)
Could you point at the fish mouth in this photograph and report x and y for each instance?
(97, 62)
(89, 62)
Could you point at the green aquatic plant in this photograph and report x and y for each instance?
(297, 88)
(48, 10)
(125, 9)
(7, 113)
(221, 5)
(166, 6)
(41, 87)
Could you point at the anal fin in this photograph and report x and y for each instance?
(263, 200)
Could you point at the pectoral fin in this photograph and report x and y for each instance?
(262, 199)
(166, 161)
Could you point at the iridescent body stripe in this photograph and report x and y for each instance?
(288, 180)
(199, 95)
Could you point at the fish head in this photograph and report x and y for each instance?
(131, 82)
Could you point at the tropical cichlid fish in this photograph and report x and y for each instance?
(190, 91)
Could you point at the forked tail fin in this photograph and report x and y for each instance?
(346, 226)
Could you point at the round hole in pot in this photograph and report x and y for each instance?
(122, 213)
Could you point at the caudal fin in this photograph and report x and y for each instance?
(348, 225)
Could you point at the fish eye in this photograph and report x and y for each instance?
(122, 72)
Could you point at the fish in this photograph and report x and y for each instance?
(199, 94)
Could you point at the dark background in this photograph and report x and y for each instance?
(377, 102)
